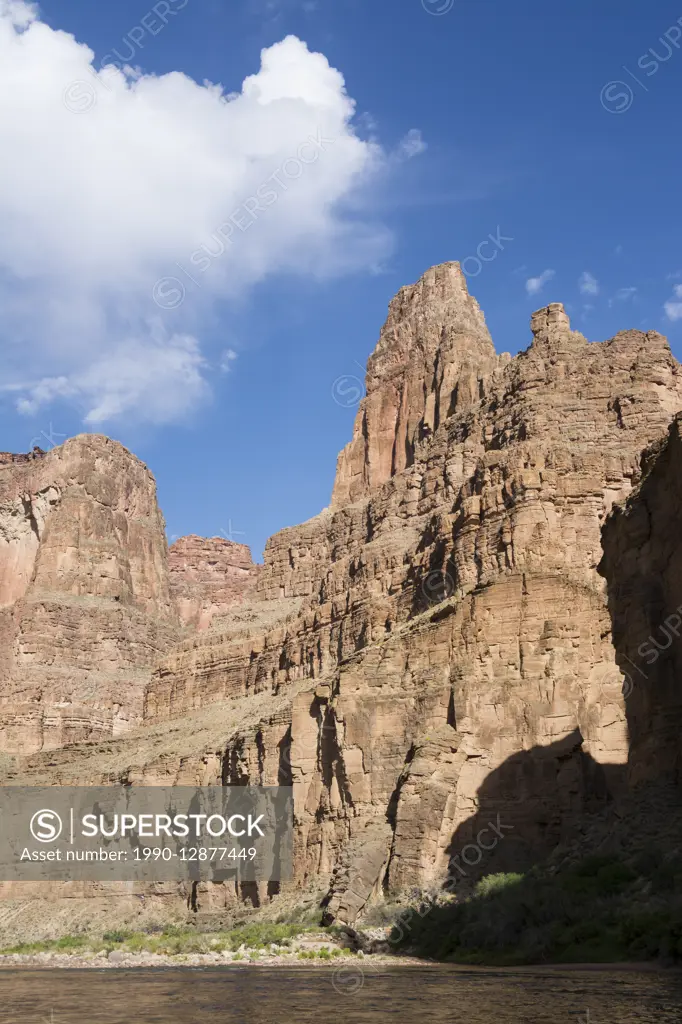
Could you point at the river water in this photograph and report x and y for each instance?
(438, 995)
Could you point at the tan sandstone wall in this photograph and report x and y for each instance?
(84, 593)
(642, 565)
(451, 617)
(208, 576)
(435, 648)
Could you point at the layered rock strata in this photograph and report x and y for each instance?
(208, 576)
(435, 646)
(642, 565)
(85, 606)
(451, 612)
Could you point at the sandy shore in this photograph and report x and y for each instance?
(117, 959)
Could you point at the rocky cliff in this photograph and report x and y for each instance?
(450, 611)
(436, 646)
(642, 565)
(208, 576)
(85, 606)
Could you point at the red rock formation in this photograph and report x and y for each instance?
(8, 458)
(443, 616)
(450, 600)
(84, 597)
(208, 575)
(428, 364)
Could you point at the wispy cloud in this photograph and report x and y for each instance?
(412, 144)
(623, 295)
(673, 307)
(275, 8)
(226, 360)
(588, 284)
(536, 284)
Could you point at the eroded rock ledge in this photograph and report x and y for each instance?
(208, 576)
(85, 606)
(430, 653)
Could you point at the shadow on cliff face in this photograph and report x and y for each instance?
(642, 566)
(538, 799)
(435, 582)
(535, 800)
(552, 868)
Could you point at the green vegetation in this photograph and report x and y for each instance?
(600, 910)
(250, 938)
(66, 944)
(603, 908)
(305, 914)
(117, 936)
(382, 915)
(495, 883)
(323, 954)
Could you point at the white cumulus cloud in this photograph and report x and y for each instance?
(673, 308)
(588, 284)
(536, 284)
(130, 203)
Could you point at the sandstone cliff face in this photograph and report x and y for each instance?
(436, 645)
(208, 575)
(429, 362)
(84, 595)
(445, 614)
(642, 565)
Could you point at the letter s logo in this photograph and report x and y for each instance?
(46, 826)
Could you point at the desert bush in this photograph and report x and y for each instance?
(583, 913)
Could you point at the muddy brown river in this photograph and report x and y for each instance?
(438, 995)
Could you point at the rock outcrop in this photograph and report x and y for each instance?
(85, 606)
(442, 617)
(642, 564)
(208, 576)
(429, 363)
(451, 611)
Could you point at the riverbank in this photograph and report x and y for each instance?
(346, 968)
(262, 943)
(349, 963)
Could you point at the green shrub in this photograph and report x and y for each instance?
(583, 913)
(117, 936)
(494, 883)
(653, 933)
(260, 934)
(62, 945)
(71, 942)
(599, 876)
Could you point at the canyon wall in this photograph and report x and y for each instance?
(208, 576)
(436, 645)
(85, 606)
(450, 614)
(642, 565)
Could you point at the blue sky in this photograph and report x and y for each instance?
(522, 133)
